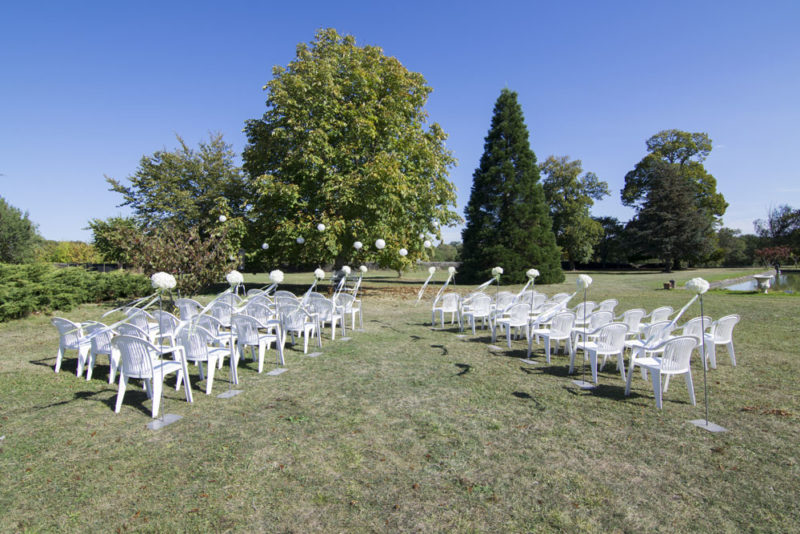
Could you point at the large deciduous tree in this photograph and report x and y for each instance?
(780, 228)
(508, 222)
(345, 142)
(669, 224)
(18, 235)
(570, 197)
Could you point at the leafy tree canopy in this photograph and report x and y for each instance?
(508, 222)
(570, 197)
(345, 143)
(18, 235)
(780, 228)
(686, 151)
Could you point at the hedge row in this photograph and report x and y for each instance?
(41, 287)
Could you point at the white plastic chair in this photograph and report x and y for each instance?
(593, 324)
(560, 330)
(351, 306)
(231, 299)
(188, 308)
(656, 316)
(632, 319)
(140, 359)
(197, 343)
(583, 312)
(71, 338)
(257, 335)
(283, 293)
(608, 305)
(609, 340)
(676, 358)
(101, 335)
(479, 307)
(517, 316)
(144, 321)
(167, 325)
(447, 303)
(721, 333)
(327, 312)
(297, 320)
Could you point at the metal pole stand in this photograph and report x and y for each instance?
(166, 418)
(704, 423)
(582, 383)
(234, 353)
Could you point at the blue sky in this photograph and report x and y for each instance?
(88, 88)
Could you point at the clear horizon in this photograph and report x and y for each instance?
(91, 88)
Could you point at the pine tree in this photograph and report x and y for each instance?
(508, 221)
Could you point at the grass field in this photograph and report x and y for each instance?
(405, 428)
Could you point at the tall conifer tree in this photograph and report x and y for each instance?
(508, 221)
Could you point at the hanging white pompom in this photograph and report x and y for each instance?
(300, 240)
(403, 252)
(357, 245)
(426, 244)
(222, 218)
(321, 227)
(379, 244)
(264, 246)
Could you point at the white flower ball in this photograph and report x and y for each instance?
(222, 218)
(431, 269)
(532, 273)
(379, 244)
(264, 246)
(403, 252)
(300, 240)
(698, 286)
(427, 244)
(584, 281)
(451, 270)
(162, 280)
(321, 227)
(357, 245)
(319, 274)
(422, 236)
(276, 276)
(346, 269)
(497, 271)
(234, 278)
(363, 268)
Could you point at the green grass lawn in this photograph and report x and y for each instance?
(405, 428)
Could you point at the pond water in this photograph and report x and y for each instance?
(789, 282)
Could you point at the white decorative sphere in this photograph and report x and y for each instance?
(451, 270)
(276, 276)
(321, 227)
(584, 281)
(234, 278)
(422, 236)
(357, 245)
(431, 269)
(222, 218)
(403, 252)
(162, 280)
(379, 244)
(264, 246)
(532, 273)
(319, 274)
(346, 269)
(698, 286)
(427, 244)
(300, 240)
(363, 268)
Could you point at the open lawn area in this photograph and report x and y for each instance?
(407, 428)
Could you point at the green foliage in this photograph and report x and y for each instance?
(732, 248)
(186, 188)
(68, 252)
(508, 221)
(343, 143)
(570, 196)
(685, 152)
(447, 251)
(18, 236)
(780, 228)
(25, 289)
(613, 247)
(669, 225)
(108, 237)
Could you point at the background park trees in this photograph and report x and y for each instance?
(508, 221)
(18, 235)
(345, 142)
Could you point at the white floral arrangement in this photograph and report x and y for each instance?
(363, 268)
(698, 286)
(276, 276)
(584, 281)
(234, 278)
(451, 270)
(357, 245)
(379, 244)
(162, 280)
(497, 271)
(532, 273)
(346, 270)
(431, 269)
(321, 227)
(319, 274)
(403, 252)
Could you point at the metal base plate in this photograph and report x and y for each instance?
(583, 384)
(462, 336)
(529, 362)
(277, 371)
(494, 347)
(345, 338)
(230, 393)
(168, 419)
(707, 425)
(314, 354)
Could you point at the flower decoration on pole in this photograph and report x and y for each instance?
(163, 281)
(363, 269)
(346, 270)
(583, 282)
(403, 252)
(431, 272)
(319, 274)
(380, 244)
(234, 278)
(321, 227)
(532, 274)
(276, 276)
(699, 286)
(496, 272)
(357, 245)
(451, 270)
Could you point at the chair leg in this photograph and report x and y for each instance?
(158, 385)
(83, 355)
(262, 348)
(666, 383)
(593, 363)
(690, 386)
(59, 357)
(212, 363)
(712, 354)
(572, 359)
(508, 336)
(113, 360)
(621, 365)
(90, 365)
(630, 376)
(546, 348)
(733, 356)
(123, 384)
(657, 387)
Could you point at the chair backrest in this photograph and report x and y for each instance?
(284, 300)
(229, 299)
(345, 300)
(195, 340)
(258, 311)
(246, 329)
(210, 323)
(167, 323)
(657, 331)
(137, 355)
(562, 323)
(129, 329)
(559, 296)
(101, 337)
(254, 292)
(139, 318)
(584, 310)
(294, 318)
(538, 300)
(527, 296)
(608, 305)
(283, 293)
(70, 332)
(468, 299)
(449, 302)
(611, 337)
(519, 313)
(503, 300)
(677, 353)
(723, 328)
(632, 318)
(188, 308)
(321, 306)
(694, 327)
(599, 318)
(481, 305)
(221, 311)
(661, 314)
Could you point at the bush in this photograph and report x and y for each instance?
(25, 289)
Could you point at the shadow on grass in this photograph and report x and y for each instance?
(465, 368)
(445, 352)
(527, 396)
